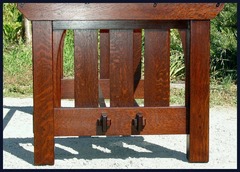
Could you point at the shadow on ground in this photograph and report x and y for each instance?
(88, 147)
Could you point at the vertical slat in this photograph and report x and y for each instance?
(61, 52)
(85, 66)
(43, 93)
(156, 68)
(104, 53)
(121, 68)
(185, 37)
(198, 139)
(137, 52)
(58, 40)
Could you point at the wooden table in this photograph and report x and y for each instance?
(120, 72)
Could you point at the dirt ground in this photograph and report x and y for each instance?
(133, 152)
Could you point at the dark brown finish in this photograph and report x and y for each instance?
(121, 68)
(198, 147)
(43, 93)
(137, 56)
(185, 38)
(120, 72)
(58, 40)
(104, 54)
(67, 89)
(139, 122)
(85, 66)
(61, 50)
(164, 120)
(101, 98)
(157, 64)
(120, 11)
(104, 122)
(140, 24)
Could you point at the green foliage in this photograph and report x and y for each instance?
(12, 23)
(17, 71)
(68, 54)
(17, 57)
(177, 68)
(223, 50)
(224, 43)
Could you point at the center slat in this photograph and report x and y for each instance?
(121, 68)
(86, 72)
(157, 66)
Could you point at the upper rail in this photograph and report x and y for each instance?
(120, 11)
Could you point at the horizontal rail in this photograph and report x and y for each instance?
(120, 11)
(154, 24)
(159, 120)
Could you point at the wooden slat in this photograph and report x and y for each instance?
(119, 11)
(43, 93)
(85, 68)
(67, 89)
(185, 39)
(156, 68)
(61, 52)
(165, 120)
(104, 54)
(58, 39)
(198, 147)
(137, 56)
(141, 24)
(121, 68)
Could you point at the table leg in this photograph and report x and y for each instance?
(199, 63)
(43, 93)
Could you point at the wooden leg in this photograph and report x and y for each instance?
(199, 61)
(43, 93)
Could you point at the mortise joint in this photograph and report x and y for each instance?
(139, 122)
(104, 121)
(218, 4)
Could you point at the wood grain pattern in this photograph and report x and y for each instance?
(61, 52)
(185, 39)
(119, 11)
(129, 24)
(67, 89)
(157, 68)
(120, 71)
(198, 147)
(104, 54)
(165, 120)
(43, 93)
(58, 40)
(137, 56)
(121, 68)
(85, 68)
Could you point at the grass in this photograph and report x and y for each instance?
(17, 77)
(17, 71)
